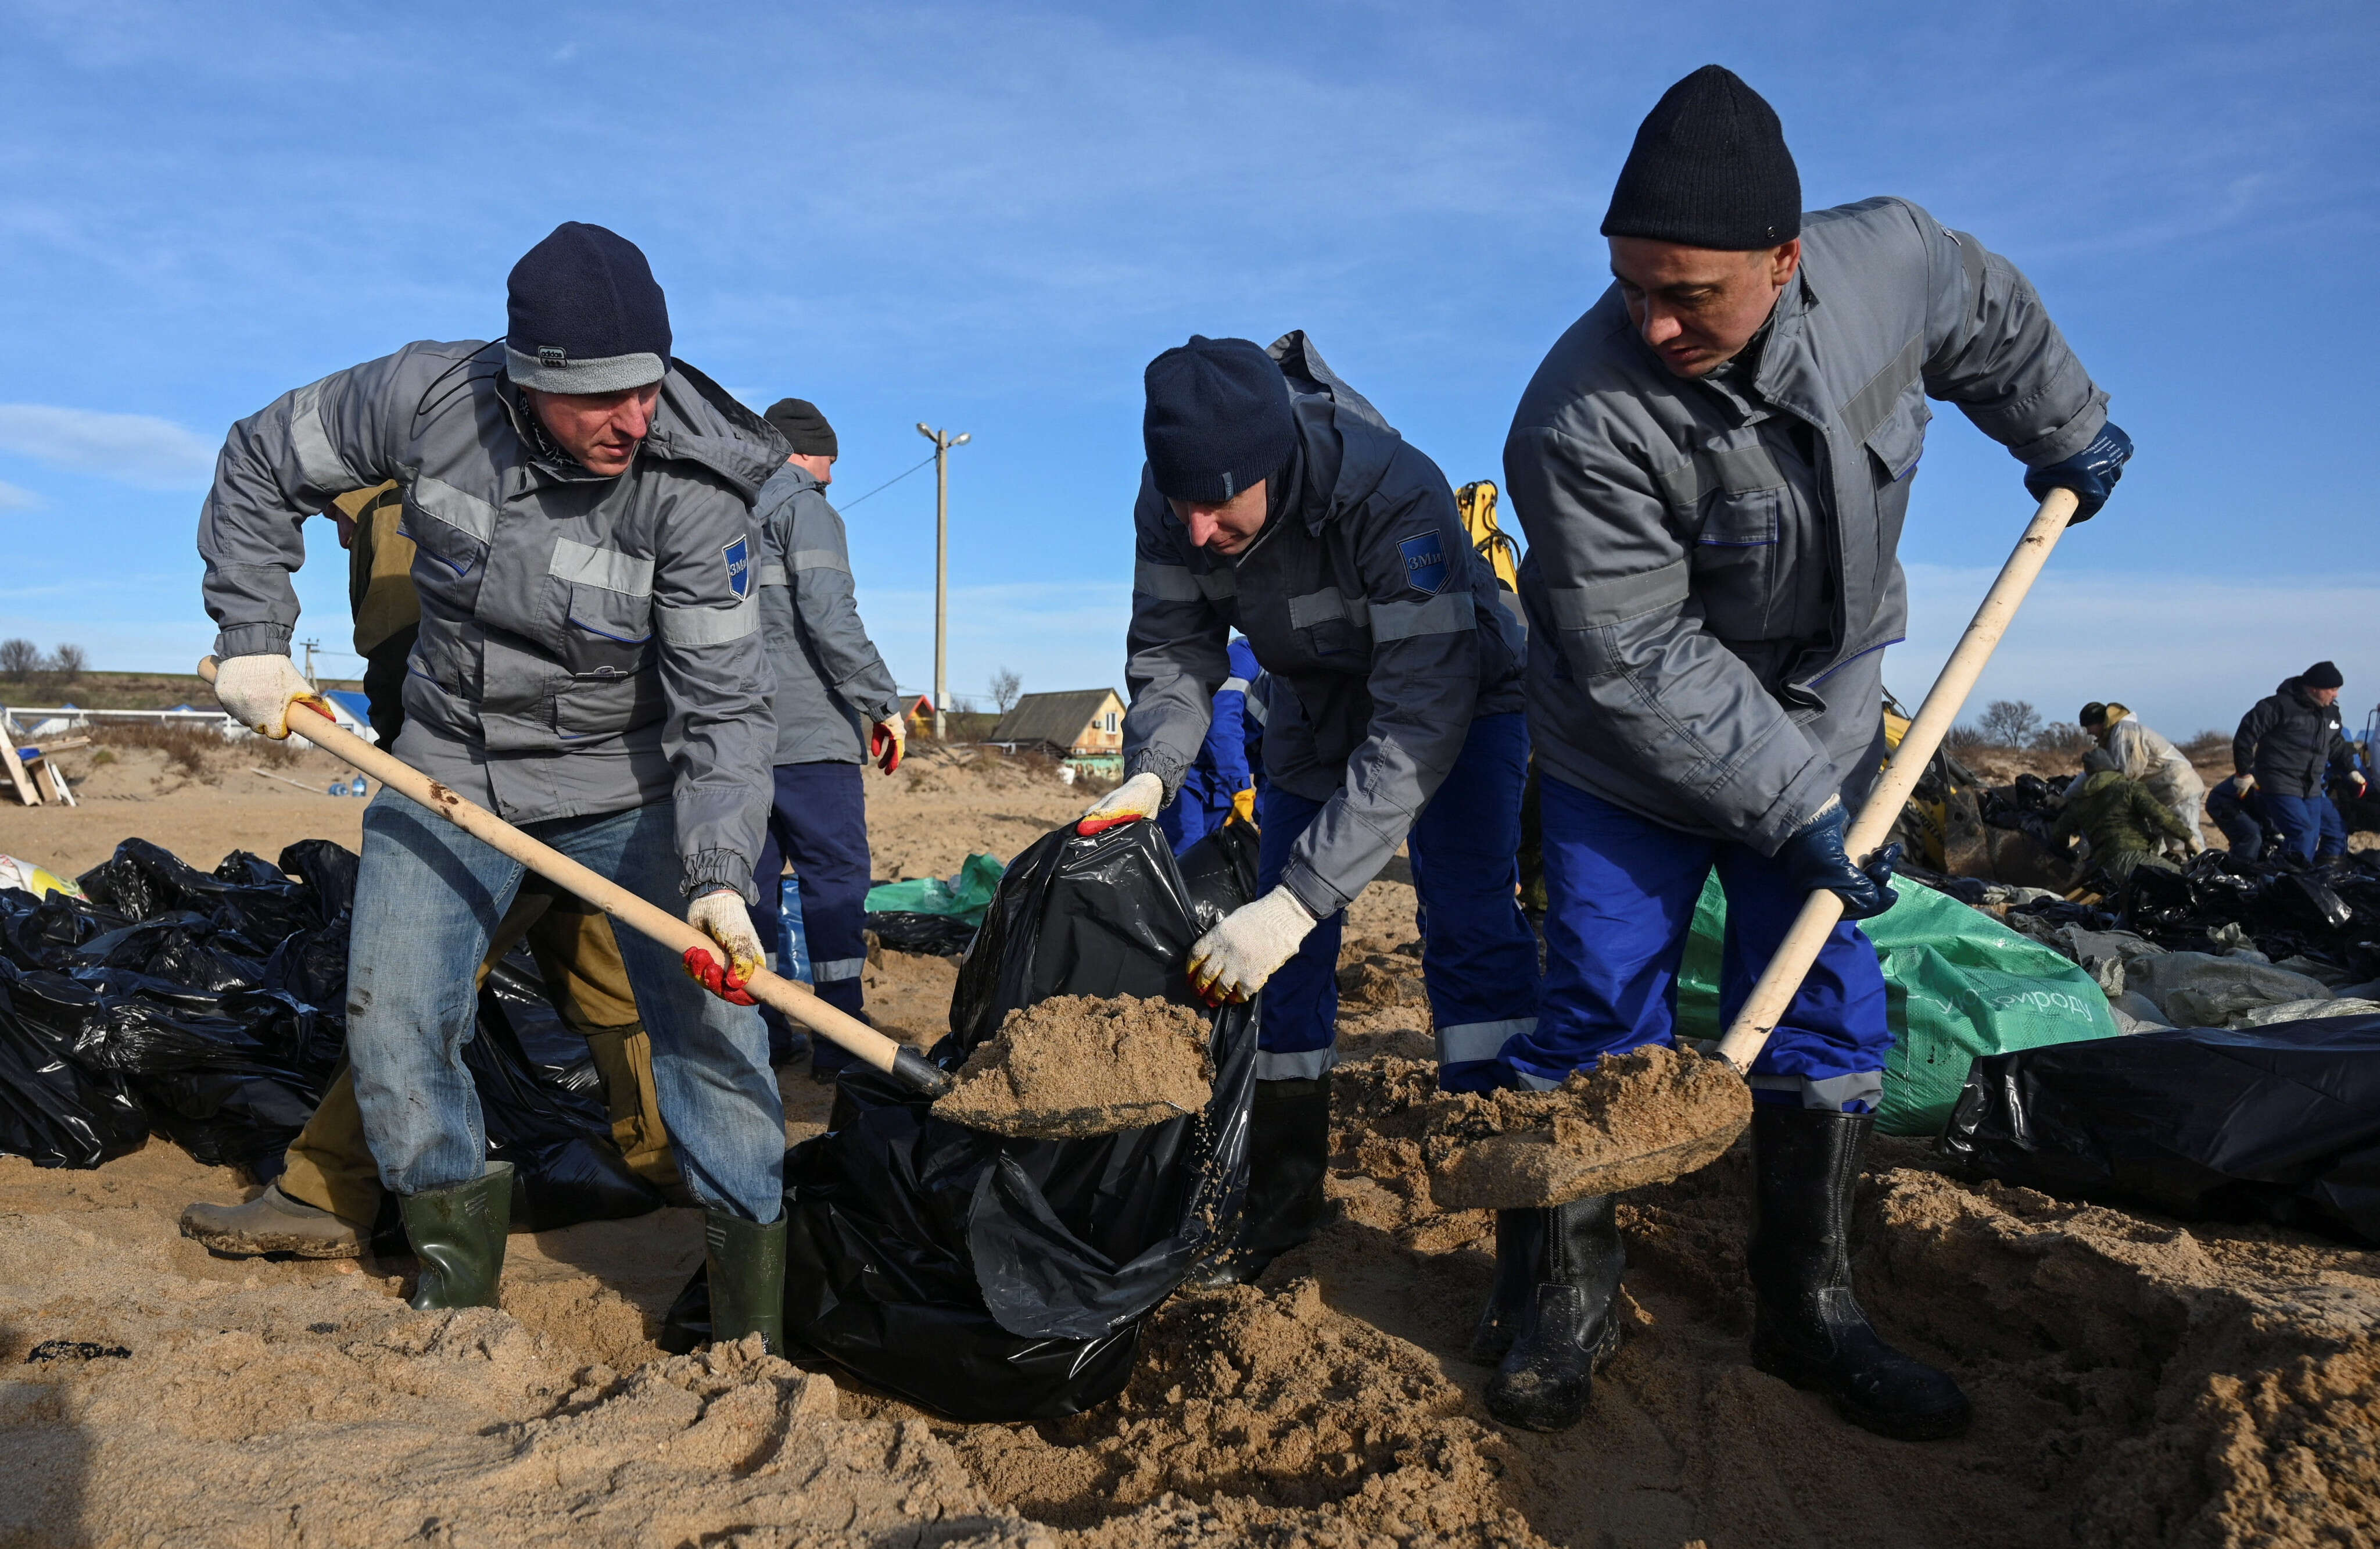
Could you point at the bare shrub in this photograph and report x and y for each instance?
(2064, 738)
(2009, 723)
(19, 659)
(2207, 745)
(69, 663)
(187, 748)
(1005, 688)
(1965, 740)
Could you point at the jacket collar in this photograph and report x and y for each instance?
(695, 421)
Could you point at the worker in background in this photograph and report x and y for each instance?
(324, 1202)
(1218, 782)
(1276, 501)
(2120, 818)
(835, 708)
(2141, 755)
(2240, 817)
(1712, 466)
(2286, 747)
(589, 668)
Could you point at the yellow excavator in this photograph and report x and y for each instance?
(1477, 501)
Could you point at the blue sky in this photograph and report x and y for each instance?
(991, 216)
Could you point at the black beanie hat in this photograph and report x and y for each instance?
(804, 428)
(2322, 675)
(2092, 713)
(584, 315)
(1709, 169)
(1218, 419)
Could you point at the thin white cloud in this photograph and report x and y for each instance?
(132, 448)
(15, 499)
(2187, 652)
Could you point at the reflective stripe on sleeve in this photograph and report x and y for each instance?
(773, 574)
(464, 512)
(1167, 583)
(586, 565)
(706, 626)
(1449, 613)
(1621, 597)
(318, 459)
(817, 559)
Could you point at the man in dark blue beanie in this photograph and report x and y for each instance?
(1713, 467)
(588, 666)
(1278, 502)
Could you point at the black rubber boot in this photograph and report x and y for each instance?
(747, 1264)
(1288, 1154)
(458, 1235)
(1520, 1256)
(1567, 1330)
(1807, 1326)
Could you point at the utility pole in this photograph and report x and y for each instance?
(312, 646)
(943, 441)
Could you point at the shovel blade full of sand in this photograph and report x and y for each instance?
(1637, 1122)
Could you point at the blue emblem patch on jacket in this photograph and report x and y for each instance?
(738, 555)
(1424, 562)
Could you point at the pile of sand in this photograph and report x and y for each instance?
(1082, 1065)
(1637, 1118)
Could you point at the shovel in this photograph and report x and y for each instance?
(899, 1061)
(1641, 1096)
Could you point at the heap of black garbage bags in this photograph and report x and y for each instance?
(210, 1009)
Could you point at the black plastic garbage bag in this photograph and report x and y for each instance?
(51, 1110)
(544, 1110)
(992, 1279)
(2278, 1123)
(934, 935)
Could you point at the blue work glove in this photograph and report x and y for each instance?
(1814, 856)
(2091, 473)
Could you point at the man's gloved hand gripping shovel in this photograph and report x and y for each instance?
(906, 1065)
(1638, 1130)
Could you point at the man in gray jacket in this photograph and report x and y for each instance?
(589, 667)
(1712, 466)
(834, 705)
(1276, 501)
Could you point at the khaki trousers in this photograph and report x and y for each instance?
(330, 1166)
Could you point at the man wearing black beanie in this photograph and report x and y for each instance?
(835, 707)
(1278, 502)
(1712, 466)
(2287, 748)
(589, 667)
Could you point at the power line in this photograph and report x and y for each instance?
(886, 485)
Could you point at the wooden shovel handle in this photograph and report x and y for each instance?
(1781, 980)
(790, 997)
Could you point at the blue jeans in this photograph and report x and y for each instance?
(2310, 826)
(1478, 956)
(1620, 893)
(818, 821)
(427, 897)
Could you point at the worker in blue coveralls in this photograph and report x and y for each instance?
(1712, 466)
(835, 709)
(1276, 500)
(1213, 784)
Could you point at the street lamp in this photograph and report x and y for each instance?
(943, 441)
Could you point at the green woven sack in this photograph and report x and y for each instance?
(1958, 984)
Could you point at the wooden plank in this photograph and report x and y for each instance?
(15, 767)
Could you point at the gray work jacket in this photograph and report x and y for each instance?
(587, 644)
(831, 686)
(1712, 571)
(1376, 625)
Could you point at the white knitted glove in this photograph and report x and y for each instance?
(1231, 962)
(1137, 797)
(259, 690)
(720, 915)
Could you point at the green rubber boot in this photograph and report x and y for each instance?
(748, 1278)
(458, 1235)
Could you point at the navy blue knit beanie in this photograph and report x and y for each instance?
(584, 315)
(1218, 419)
(1709, 169)
(2323, 674)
